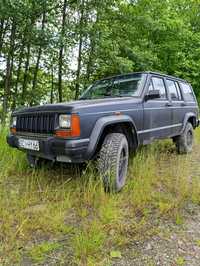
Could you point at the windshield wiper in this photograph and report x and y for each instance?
(111, 95)
(104, 95)
(118, 96)
(84, 98)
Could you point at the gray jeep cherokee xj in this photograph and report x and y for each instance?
(111, 119)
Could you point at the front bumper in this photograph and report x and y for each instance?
(55, 149)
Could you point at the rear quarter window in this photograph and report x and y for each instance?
(187, 92)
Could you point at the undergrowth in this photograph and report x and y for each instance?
(60, 214)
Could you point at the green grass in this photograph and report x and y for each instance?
(55, 213)
(38, 252)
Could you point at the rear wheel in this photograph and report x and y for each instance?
(113, 161)
(184, 142)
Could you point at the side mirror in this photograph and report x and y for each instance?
(153, 94)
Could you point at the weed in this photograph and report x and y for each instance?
(38, 252)
(180, 261)
(198, 243)
(89, 242)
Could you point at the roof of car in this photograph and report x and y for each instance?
(147, 72)
(165, 75)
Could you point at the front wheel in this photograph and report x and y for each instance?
(113, 161)
(184, 142)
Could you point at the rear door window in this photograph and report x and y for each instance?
(178, 90)
(174, 90)
(187, 92)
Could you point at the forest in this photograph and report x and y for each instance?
(51, 50)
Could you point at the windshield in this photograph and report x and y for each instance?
(122, 86)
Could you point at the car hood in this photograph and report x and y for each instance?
(79, 105)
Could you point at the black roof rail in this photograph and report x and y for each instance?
(146, 72)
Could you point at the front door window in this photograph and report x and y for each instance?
(158, 84)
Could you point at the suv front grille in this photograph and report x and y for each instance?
(36, 123)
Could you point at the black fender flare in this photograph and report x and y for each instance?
(187, 117)
(100, 125)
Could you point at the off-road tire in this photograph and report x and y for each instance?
(184, 142)
(113, 161)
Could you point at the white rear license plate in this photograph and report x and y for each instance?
(29, 144)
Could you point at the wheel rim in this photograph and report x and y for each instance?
(189, 138)
(122, 164)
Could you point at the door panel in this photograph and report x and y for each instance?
(178, 114)
(157, 120)
(178, 106)
(157, 113)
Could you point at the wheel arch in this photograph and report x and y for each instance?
(109, 124)
(192, 118)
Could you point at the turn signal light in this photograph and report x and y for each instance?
(13, 130)
(74, 131)
(63, 133)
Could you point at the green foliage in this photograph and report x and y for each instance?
(97, 39)
(180, 261)
(198, 243)
(115, 254)
(89, 242)
(38, 252)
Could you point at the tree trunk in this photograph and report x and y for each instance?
(52, 85)
(9, 67)
(18, 72)
(39, 56)
(93, 41)
(26, 73)
(90, 61)
(77, 85)
(3, 29)
(60, 60)
(1, 33)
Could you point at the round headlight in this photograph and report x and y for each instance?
(65, 121)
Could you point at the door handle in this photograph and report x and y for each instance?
(168, 104)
